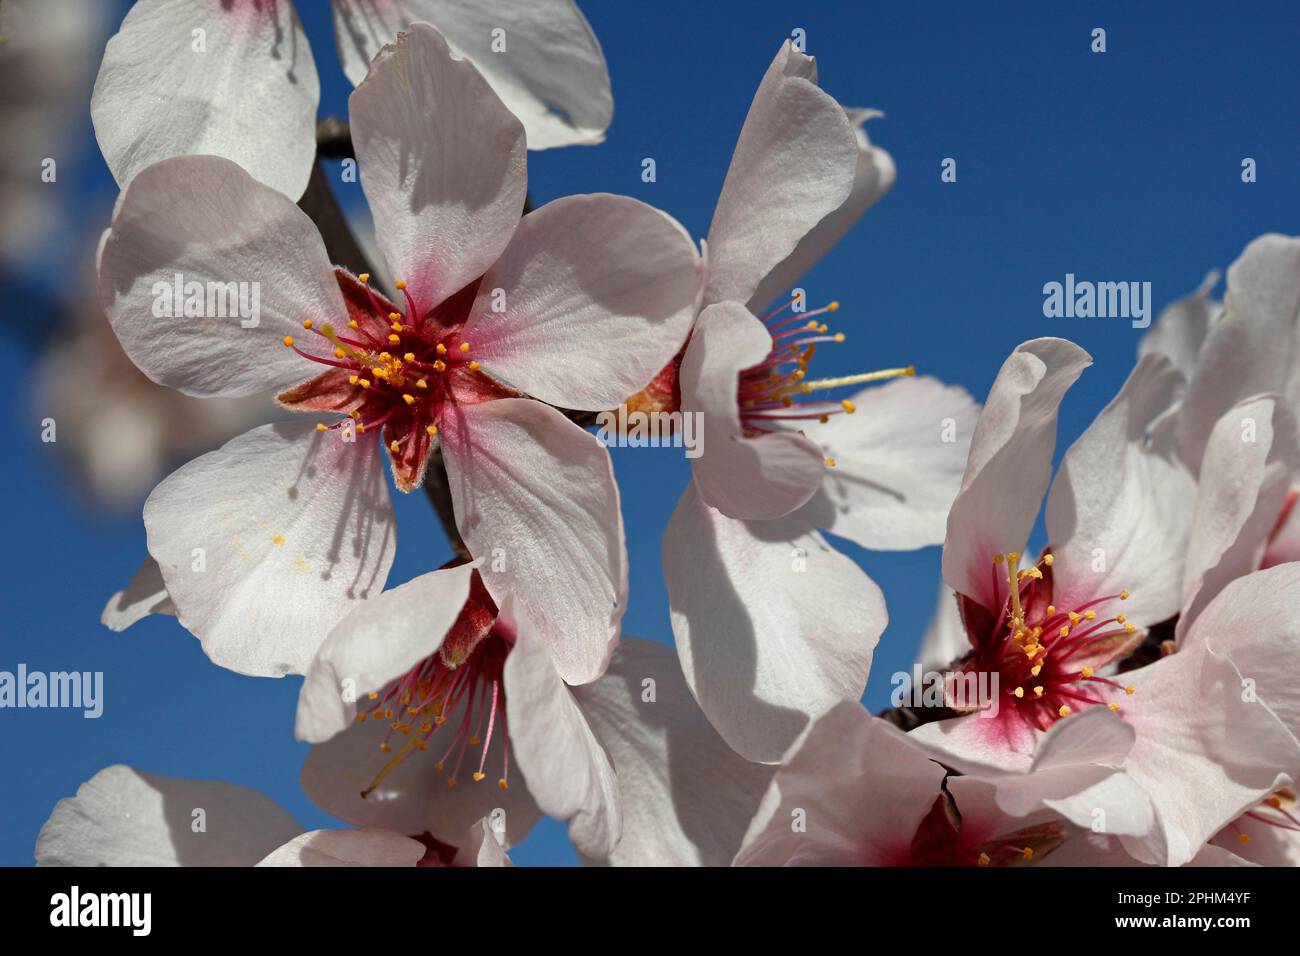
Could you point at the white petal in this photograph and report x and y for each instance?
(599, 294)
(794, 164)
(442, 164)
(1010, 463)
(899, 460)
(863, 788)
(1122, 503)
(551, 72)
(1252, 349)
(122, 817)
(759, 477)
(874, 176)
(773, 625)
(203, 222)
(268, 542)
(1182, 326)
(568, 771)
(347, 848)
(145, 595)
(376, 643)
(232, 80)
(535, 498)
(1245, 475)
(687, 797)
(945, 638)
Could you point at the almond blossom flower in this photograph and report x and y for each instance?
(1122, 507)
(123, 817)
(265, 544)
(417, 696)
(237, 79)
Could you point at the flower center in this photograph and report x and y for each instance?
(943, 839)
(776, 390)
(459, 685)
(1047, 656)
(1277, 810)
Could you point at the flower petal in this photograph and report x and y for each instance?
(123, 817)
(550, 73)
(145, 595)
(597, 293)
(1245, 476)
(266, 543)
(899, 460)
(347, 848)
(221, 79)
(861, 786)
(568, 771)
(773, 625)
(442, 164)
(1252, 349)
(794, 164)
(376, 643)
(687, 797)
(535, 498)
(247, 265)
(760, 477)
(874, 176)
(1181, 328)
(1010, 463)
(1120, 510)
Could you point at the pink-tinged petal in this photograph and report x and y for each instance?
(1216, 722)
(945, 641)
(773, 625)
(899, 460)
(268, 542)
(758, 476)
(595, 295)
(982, 745)
(254, 261)
(1265, 843)
(794, 164)
(145, 595)
(1181, 328)
(1245, 475)
(1284, 539)
(568, 770)
(442, 164)
(551, 72)
(123, 817)
(376, 643)
(235, 80)
(1010, 464)
(687, 796)
(1120, 510)
(1252, 348)
(347, 848)
(861, 787)
(535, 499)
(414, 796)
(491, 852)
(874, 176)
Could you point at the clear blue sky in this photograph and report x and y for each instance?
(1119, 166)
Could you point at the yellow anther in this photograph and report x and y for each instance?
(352, 380)
(380, 373)
(1130, 628)
(277, 540)
(1065, 710)
(409, 357)
(984, 859)
(421, 384)
(384, 747)
(431, 429)
(1019, 692)
(439, 766)
(839, 336)
(1086, 672)
(833, 307)
(812, 324)
(478, 776)
(848, 406)
(1065, 630)
(373, 695)
(385, 356)
(1090, 615)
(440, 720)
(821, 418)
(502, 784)
(393, 446)
(1051, 610)
(401, 284)
(364, 277)
(352, 324)
(1113, 706)
(1120, 618)
(464, 347)
(1048, 559)
(999, 558)
(1074, 617)
(474, 366)
(396, 326)
(395, 339)
(451, 783)
(441, 349)
(339, 353)
(1036, 670)
(830, 462)
(321, 427)
(409, 399)
(1130, 690)
(439, 365)
(1123, 595)
(1038, 691)
(394, 316)
(288, 341)
(1243, 838)
(306, 323)
(361, 717)
(1028, 853)
(363, 382)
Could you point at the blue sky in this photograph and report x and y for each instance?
(1116, 166)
